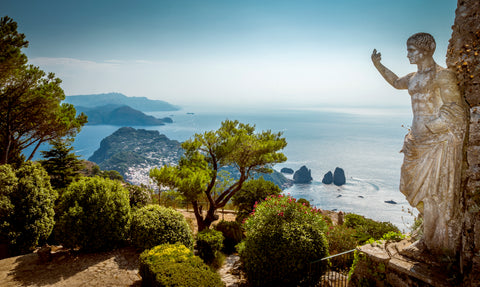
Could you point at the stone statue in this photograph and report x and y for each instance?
(433, 149)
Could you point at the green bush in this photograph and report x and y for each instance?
(175, 265)
(26, 207)
(283, 237)
(303, 201)
(368, 228)
(93, 214)
(139, 195)
(154, 225)
(340, 239)
(252, 192)
(232, 231)
(209, 243)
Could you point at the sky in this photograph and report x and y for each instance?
(235, 54)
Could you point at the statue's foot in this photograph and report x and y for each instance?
(416, 251)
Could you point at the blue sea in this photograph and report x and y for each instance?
(364, 142)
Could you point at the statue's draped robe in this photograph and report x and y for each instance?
(431, 172)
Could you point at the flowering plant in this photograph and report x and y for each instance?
(283, 237)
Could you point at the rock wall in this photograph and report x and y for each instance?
(463, 56)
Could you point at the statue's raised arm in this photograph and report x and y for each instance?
(389, 76)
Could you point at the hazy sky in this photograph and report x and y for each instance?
(247, 53)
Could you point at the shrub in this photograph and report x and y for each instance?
(94, 214)
(253, 191)
(283, 237)
(175, 265)
(154, 225)
(303, 201)
(209, 243)
(139, 195)
(232, 231)
(368, 228)
(341, 238)
(26, 207)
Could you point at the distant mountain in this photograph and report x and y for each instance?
(139, 103)
(133, 152)
(120, 116)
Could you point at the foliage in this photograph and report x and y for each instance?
(283, 237)
(153, 225)
(373, 273)
(11, 43)
(31, 111)
(139, 195)
(171, 198)
(209, 243)
(26, 206)
(175, 265)
(393, 236)
(233, 234)
(233, 144)
(62, 165)
(93, 214)
(253, 191)
(340, 239)
(303, 201)
(368, 228)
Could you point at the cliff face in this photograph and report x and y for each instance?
(463, 56)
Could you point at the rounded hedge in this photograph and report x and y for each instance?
(27, 203)
(154, 225)
(175, 265)
(283, 237)
(209, 242)
(233, 233)
(139, 195)
(94, 214)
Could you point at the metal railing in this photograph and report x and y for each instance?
(334, 268)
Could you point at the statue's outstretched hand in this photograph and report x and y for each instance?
(376, 57)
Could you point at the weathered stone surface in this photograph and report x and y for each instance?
(463, 57)
(303, 175)
(382, 265)
(339, 177)
(328, 178)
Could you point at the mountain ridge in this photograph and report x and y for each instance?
(139, 103)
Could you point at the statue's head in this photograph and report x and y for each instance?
(420, 46)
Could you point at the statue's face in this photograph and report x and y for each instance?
(414, 55)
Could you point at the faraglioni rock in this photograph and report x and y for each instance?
(339, 177)
(328, 178)
(287, 170)
(303, 175)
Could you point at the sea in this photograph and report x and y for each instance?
(365, 143)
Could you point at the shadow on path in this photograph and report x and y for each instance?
(68, 268)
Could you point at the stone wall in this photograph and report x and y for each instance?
(463, 56)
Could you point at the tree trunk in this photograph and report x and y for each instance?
(463, 56)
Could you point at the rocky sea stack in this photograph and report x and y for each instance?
(303, 175)
(337, 177)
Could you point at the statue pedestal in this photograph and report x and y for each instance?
(383, 265)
